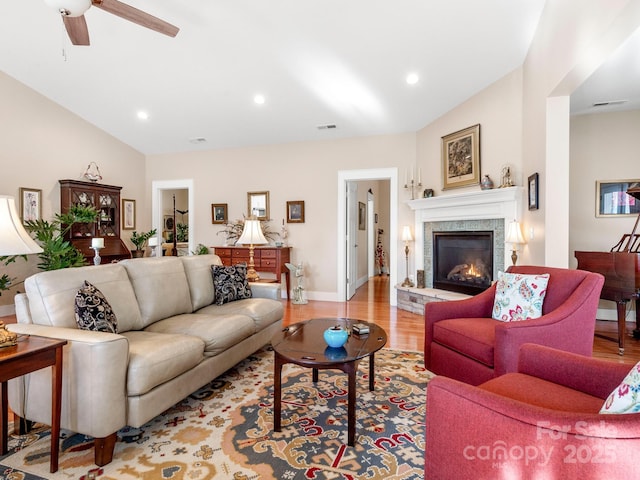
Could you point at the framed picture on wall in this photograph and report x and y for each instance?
(219, 213)
(362, 216)
(461, 158)
(30, 204)
(612, 198)
(128, 214)
(533, 191)
(295, 211)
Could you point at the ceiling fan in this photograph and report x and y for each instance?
(72, 12)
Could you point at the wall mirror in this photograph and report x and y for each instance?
(258, 205)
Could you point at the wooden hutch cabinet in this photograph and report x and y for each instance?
(106, 199)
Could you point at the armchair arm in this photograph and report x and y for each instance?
(94, 376)
(589, 375)
(473, 433)
(478, 306)
(569, 327)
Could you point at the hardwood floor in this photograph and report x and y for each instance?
(405, 330)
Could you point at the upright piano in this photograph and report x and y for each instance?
(621, 269)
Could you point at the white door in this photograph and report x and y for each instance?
(352, 239)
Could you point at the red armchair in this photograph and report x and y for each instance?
(462, 341)
(541, 422)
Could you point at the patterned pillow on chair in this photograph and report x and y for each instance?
(93, 312)
(230, 283)
(626, 397)
(519, 296)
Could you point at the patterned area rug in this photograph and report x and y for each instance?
(225, 430)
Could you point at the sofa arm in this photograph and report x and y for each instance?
(589, 375)
(93, 381)
(472, 433)
(265, 290)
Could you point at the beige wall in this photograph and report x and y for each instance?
(300, 171)
(41, 143)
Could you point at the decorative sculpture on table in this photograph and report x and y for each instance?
(298, 290)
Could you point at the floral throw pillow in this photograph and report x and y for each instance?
(230, 283)
(519, 296)
(626, 397)
(93, 312)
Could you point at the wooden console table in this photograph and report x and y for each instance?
(30, 354)
(266, 259)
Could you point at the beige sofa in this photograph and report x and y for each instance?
(171, 340)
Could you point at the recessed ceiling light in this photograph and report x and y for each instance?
(143, 115)
(412, 78)
(259, 99)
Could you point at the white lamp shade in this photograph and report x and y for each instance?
(252, 233)
(406, 234)
(514, 234)
(14, 239)
(74, 7)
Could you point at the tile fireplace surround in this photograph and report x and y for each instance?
(477, 210)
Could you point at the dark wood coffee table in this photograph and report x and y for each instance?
(303, 344)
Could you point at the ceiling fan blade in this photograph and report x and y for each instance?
(77, 29)
(136, 16)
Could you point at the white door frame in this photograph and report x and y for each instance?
(157, 186)
(371, 235)
(344, 176)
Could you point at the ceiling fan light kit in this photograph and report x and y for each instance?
(73, 11)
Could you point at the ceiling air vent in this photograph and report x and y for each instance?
(329, 126)
(608, 104)
(197, 140)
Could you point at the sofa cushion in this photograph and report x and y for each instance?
(263, 311)
(161, 287)
(230, 283)
(519, 296)
(626, 396)
(218, 332)
(198, 271)
(52, 295)
(473, 337)
(155, 358)
(93, 311)
(542, 393)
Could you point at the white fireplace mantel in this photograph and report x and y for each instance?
(502, 203)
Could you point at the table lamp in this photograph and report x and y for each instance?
(14, 240)
(252, 235)
(514, 237)
(406, 238)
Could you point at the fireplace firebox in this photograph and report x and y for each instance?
(463, 261)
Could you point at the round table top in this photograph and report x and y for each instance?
(303, 342)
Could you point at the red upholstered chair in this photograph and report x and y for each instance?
(462, 341)
(541, 422)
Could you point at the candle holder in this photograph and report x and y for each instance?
(96, 257)
(412, 186)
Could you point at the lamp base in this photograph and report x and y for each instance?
(514, 256)
(407, 283)
(252, 275)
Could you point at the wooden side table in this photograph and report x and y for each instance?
(30, 354)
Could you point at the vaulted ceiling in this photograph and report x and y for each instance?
(341, 63)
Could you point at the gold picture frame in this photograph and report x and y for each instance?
(30, 204)
(219, 213)
(461, 158)
(128, 214)
(258, 205)
(295, 211)
(612, 199)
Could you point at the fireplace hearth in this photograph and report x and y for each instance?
(463, 261)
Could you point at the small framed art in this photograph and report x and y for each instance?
(219, 213)
(461, 158)
(30, 204)
(362, 216)
(295, 211)
(533, 192)
(612, 199)
(128, 214)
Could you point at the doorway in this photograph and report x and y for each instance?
(159, 207)
(344, 177)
